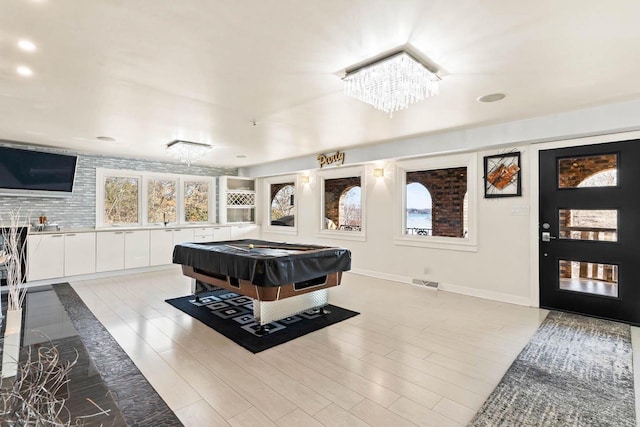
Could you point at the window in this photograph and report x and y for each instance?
(121, 202)
(342, 206)
(437, 196)
(196, 201)
(136, 198)
(161, 200)
(281, 203)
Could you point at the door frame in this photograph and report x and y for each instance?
(534, 202)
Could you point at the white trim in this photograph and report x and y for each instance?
(485, 294)
(447, 287)
(468, 160)
(266, 204)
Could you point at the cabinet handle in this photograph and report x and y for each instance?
(129, 232)
(168, 231)
(117, 232)
(56, 235)
(71, 235)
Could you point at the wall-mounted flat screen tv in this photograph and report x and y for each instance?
(36, 173)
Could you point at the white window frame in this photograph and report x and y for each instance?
(282, 179)
(340, 172)
(468, 243)
(144, 177)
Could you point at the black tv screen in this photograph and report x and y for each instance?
(27, 172)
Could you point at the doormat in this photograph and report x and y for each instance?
(231, 314)
(575, 371)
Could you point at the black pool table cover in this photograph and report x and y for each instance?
(266, 264)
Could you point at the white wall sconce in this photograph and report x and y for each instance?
(378, 173)
(304, 179)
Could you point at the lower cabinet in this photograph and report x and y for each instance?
(45, 256)
(136, 249)
(79, 253)
(221, 234)
(248, 231)
(109, 251)
(161, 246)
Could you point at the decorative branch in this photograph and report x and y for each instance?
(13, 255)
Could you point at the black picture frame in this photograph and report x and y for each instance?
(502, 175)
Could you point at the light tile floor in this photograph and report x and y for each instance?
(414, 356)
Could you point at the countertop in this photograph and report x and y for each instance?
(65, 230)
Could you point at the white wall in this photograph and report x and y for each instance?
(504, 267)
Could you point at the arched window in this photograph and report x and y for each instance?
(350, 209)
(418, 210)
(606, 178)
(283, 206)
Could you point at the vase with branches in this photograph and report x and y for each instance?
(13, 257)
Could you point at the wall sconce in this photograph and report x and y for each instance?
(304, 179)
(378, 173)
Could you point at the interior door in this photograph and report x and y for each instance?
(589, 229)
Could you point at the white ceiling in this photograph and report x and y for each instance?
(147, 71)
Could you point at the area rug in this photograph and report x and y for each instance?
(575, 371)
(231, 314)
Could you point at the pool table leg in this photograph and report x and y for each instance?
(262, 331)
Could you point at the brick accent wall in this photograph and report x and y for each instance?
(447, 188)
(79, 210)
(333, 189)
(277, 187)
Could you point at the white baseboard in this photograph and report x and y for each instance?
(447, 287)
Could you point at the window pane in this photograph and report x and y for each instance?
(435, 202)
(588, 171)
(283, 204)
(589, 278)
(121, 200)
(343, 204)
(196, 201)
(589, 224)
(161, 200)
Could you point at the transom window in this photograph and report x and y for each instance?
(145, 198)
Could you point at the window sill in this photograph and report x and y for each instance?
(450, 244)
(342, 235)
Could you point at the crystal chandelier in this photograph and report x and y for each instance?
(186, 151)
(392, 83)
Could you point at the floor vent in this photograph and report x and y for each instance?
(427, 283)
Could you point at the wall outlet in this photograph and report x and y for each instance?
(519, 210)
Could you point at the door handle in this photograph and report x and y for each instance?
(547, 237)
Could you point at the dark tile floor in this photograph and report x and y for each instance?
(104, 374)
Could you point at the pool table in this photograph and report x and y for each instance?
(283, 279)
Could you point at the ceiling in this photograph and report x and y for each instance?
(262, 78)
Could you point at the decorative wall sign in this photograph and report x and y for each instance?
(328, 159)
(502, 175)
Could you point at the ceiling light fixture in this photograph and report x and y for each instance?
(186, 151)
(391, 83)
(26, 45)
(24, 71)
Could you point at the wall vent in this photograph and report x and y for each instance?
(427, 283)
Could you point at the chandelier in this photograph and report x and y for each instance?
(186, 151)
(391, 83)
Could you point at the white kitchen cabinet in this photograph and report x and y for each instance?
(182, 235)
(221, 233)
(45, 256)
(248, 231)
(79, 253)
(136, 249)
(161, 246)
(109, 250)
(237, 200)
(203, 234)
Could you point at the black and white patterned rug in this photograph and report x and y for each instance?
(575, 371)
(231, 314)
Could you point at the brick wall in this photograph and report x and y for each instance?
(277, 187)
(333, 189)
(575, 170)
(79, 210)
(447, 188)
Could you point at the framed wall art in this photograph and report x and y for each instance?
(502, 175)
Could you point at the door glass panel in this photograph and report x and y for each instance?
(589, 277)
(589, 224)
(588, 171)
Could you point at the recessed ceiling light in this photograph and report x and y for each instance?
(24, 71)
(26, 45)
(242, 156)
(106, 138)
(493, 97)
